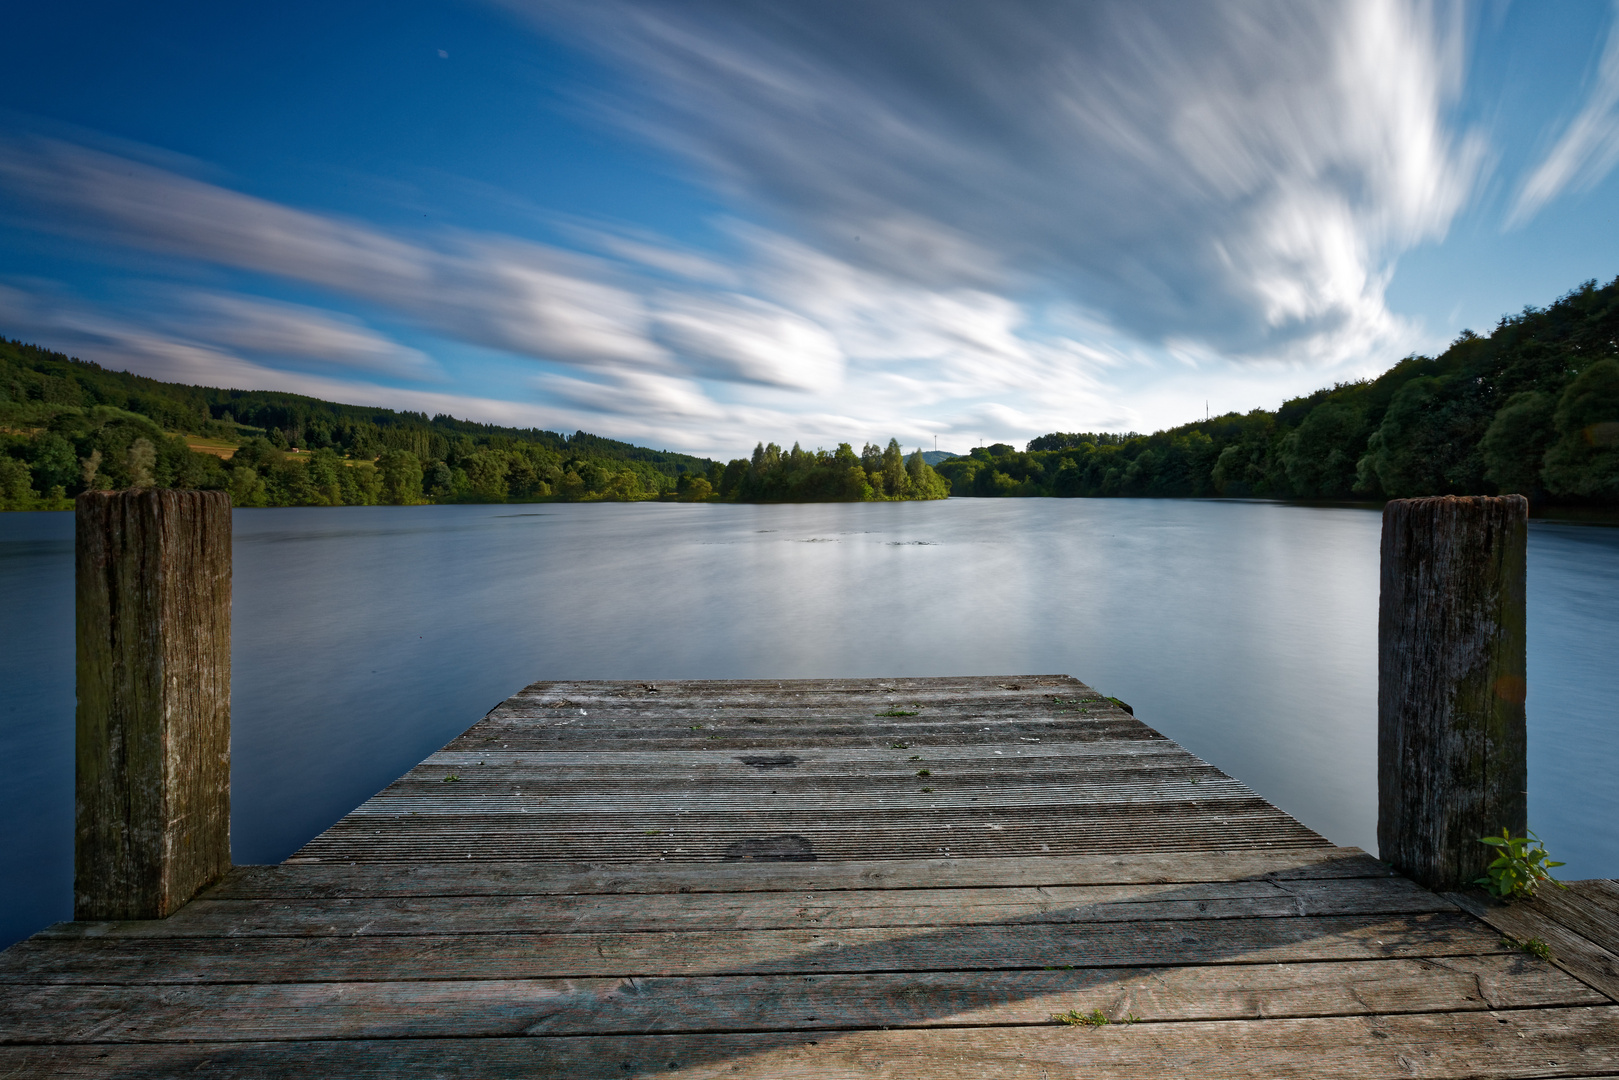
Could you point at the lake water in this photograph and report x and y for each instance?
(366, 638)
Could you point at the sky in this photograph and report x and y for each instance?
(696, 225)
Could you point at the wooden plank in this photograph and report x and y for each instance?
(1005, 686)
(860, 950)
(1602, 892)
(1487, 1045)
(765, 739)
(763, 911)
(773, 841)
(1587, 961)
(1104, 755)
(1001, 761)
(309, 880)
(1572, 909)
(898, 833)
(484, 795)
(513, 1007)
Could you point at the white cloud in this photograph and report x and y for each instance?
(1240, 173)
(495, 291)
(1589, 147)
(731, 336)
(279, 330)
(991, 220)
(124, 345)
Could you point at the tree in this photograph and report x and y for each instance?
(16, 493)
(1319, 456)
(139, 459)
(1516, 442)
(55, 463)
(246, 489)
(895, 479)
(486, 473)
(1585, 460)
(401, 477)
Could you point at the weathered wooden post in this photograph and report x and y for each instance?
(1451, 740)
(153, 581)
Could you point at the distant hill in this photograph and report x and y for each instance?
(1532, 408)
(933, 457)
(66, 424)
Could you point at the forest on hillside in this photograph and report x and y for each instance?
(67, 425)
(1531, 408)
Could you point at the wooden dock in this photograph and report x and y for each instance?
(894, 878)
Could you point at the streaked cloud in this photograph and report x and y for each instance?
(120, 342)
(279, 330)
(1244, 174)
(946, 218)
(1589, 147)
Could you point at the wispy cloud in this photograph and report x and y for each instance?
(653, 326)
(1588, 148)
(117, 341)
(281, 331)
(496, 291)
(1245, 174)
(985, 220)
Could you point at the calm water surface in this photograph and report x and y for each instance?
(366, 638)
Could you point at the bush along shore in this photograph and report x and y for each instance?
(1532, 408)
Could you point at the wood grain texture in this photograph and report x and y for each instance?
(816, 878)
(1451, 667)
(153, 591)
(728, 771)
(238, 1012)
(1568, 1042)
(310, 880)
(1588, 950)
(763, 911)
(112, 958)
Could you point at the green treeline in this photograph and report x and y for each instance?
(67, 425)
(1532, 408)
(798, 475)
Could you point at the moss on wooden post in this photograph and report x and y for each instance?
(1451, 740)
(152, 813)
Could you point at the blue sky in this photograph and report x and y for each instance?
(697, 225)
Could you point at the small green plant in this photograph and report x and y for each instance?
(915, 757)
(654, 832)
(451, 779)
(924, 772)
(897, 712)
(1519, 868)
(899, 746)
(1533, 946)
(1094, 1018)
(927, 791)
